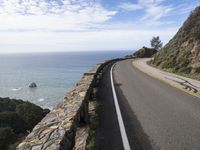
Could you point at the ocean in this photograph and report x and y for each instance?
(54, 73)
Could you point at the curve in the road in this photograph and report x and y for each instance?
(167, 118)
(119, 116)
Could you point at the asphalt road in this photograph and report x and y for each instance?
(156, 115)
(108, 134)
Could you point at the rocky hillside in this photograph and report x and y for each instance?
(182, 53)
(145, 52)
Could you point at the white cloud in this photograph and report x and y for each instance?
(80, 41)
(49, 25)
(184, 8)
(130, 7)
(155, 12)
(52, 15)
(150, 2)
(154, 9)
(75, 25)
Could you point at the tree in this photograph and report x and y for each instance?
(156, 43)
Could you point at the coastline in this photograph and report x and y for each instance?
(58, 129)
(55, 74)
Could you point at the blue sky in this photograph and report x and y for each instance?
(88, 25)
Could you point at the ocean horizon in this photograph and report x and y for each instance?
(54, 73)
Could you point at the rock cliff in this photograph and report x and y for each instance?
(182, 53)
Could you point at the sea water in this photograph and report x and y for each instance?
(54, 73)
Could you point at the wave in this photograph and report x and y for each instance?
(40, 99)
(17, 89)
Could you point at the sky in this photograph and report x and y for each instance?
(88, 25)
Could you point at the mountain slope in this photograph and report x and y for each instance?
(182, 53)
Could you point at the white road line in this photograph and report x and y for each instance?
(119, 115)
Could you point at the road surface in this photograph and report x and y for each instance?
(156, 116)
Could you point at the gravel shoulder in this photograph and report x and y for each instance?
(185, 84)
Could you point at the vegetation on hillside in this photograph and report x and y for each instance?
(156, 43)
(145, 52)
(182, 53)
(16, 119)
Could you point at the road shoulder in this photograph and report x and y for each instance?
(187, 85)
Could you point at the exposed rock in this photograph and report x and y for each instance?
(81, 138)
(33, 85)
(182, 53)
(145, 52)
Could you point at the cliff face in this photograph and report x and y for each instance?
(182, 53)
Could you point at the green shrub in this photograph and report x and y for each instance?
(12, 120)
(7, 137)
(16, 117)
(30, 113)
(7, 105)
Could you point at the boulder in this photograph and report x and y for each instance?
(33, 85)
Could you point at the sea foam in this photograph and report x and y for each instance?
(16, 89)
(40, 99)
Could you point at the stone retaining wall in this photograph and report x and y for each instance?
(57, 130)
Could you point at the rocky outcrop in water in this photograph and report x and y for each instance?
(33, 85)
